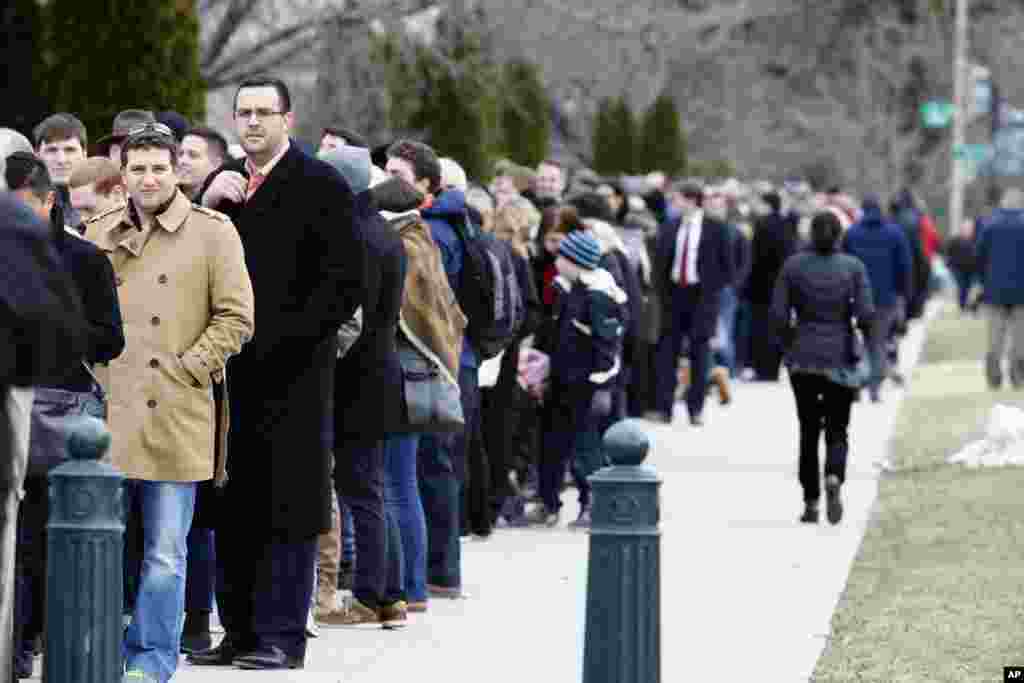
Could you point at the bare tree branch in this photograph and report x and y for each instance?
(237, 12)
(248, 58)
(271, 42)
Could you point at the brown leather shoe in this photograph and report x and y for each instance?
(353, 615)
(394, 615)
(720, 377)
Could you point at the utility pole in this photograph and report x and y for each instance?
(957, 176)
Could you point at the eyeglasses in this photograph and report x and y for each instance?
(246, 114)
(151, 129)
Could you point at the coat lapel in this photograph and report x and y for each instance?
(266, 196)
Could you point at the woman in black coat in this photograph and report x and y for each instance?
(825, 291)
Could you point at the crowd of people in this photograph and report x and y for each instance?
(325, 366)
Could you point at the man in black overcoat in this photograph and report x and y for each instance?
(305, 256)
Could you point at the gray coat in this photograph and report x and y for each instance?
(815, 297)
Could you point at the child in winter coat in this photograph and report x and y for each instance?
(587, 356)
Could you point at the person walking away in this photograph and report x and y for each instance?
(904, 211)
(306, 258)
(187, 304)
(884, 250)
(1000, 253)
(28, 178)
(962, 259)
(818, 295)
(773, 242)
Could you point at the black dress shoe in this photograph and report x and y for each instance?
(810, 515)
(193, 643)
(834, 505)
(696, 421)
(222, 655)
(269, 658)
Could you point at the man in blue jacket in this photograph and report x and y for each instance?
(442, 458)
(1000, 253)
(884, 249)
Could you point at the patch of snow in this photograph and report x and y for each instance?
(1002, 445)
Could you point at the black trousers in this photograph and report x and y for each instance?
(766, 345)
(264, 584)
(359, 481)
(640, 389)
(821, 405)
(30, 569)
(689, 318)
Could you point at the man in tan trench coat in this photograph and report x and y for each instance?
(187, 303)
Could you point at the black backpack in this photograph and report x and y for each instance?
(489, 292)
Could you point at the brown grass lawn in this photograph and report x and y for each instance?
(936, 592)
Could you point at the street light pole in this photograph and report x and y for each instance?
(956, 195)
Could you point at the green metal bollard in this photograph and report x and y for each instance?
(84, 628)
(623, 623)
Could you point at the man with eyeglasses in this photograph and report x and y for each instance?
(306, 256)
(187, 304)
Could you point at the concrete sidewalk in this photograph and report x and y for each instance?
(743, 584)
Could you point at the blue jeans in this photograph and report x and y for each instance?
(441, 494)
(964, 282)
(359, 479)
(153, 640)
(348, 535)
(727, 327)
(441, 466)
(402, 500)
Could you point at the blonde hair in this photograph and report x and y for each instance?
(514, 222)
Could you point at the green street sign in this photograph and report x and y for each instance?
(937, 113)
(977, 153)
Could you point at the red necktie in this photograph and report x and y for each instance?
(255, 180)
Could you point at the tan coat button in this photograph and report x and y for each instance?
(162, 279)
(154, 363)
(151, 403)
(155, 320)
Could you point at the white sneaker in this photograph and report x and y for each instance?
(312, 630)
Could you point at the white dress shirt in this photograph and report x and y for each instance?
(688, 229)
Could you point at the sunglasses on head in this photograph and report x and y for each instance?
(151, 129)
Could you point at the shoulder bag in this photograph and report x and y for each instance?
(54, 412)
(431, 401)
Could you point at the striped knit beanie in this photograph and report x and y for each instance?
(582, 249)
